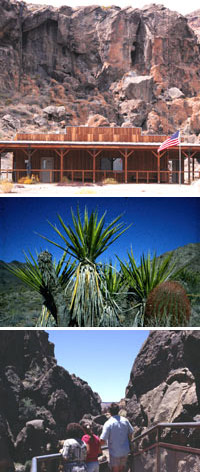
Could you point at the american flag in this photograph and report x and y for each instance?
(174, 140)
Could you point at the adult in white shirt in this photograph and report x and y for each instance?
(117, 432)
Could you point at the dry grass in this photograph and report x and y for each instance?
(86, 191)
(29, 180)
(6, 186)
(109, 181)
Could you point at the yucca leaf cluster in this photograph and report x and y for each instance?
(143, 278)
(47, 278)
(89, 238)
(86, 241)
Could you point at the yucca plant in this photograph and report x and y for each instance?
(86, 241)
(49, 279)
(142, 279)
(115, 295)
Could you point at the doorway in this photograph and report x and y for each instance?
(47, 164)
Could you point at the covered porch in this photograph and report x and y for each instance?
(128, 157)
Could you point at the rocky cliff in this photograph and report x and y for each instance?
(98, 66)
(164, 383)
(37, 397)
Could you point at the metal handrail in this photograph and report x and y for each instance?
(37, 459)
(157, 444)
(49, 458)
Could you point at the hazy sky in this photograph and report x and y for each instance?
(178, 5)
(103, 358)
(158, 224)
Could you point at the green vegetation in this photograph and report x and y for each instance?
(79, 291)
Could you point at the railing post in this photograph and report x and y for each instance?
(93, 166)
(189, 177)
(61, 165)
(34, 465)
(158, 167)
(126, 165)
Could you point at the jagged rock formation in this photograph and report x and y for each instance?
(165, 380)
(37, 397)
(194, 22)
(133, 67)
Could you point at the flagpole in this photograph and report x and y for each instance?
(180, 158)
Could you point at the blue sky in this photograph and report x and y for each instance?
(158, 224)
(103, 358)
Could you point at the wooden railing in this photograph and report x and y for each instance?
(98, 176)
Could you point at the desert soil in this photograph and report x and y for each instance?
(122, 190)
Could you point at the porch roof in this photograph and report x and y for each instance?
(24, 144)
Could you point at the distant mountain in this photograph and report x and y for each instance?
(20, 306)
(189, 254)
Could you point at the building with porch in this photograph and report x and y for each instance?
(85, 154)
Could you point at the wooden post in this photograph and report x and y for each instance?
(93, 166)
(158, 167)
(126, 165)
(193, 168)
(189, 177)
(61, 165)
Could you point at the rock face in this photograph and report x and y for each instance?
(37, 397)
(165, 380)
(194, 22)
(136, 66)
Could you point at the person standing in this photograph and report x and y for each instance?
(93, 448)
(74, 450)
(117, 431)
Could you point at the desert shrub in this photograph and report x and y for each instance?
(65, 181)
(27, 409)
(109, 181)
(34, 179)
(6, 186)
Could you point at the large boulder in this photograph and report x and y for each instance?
(37, 397)
(164, 381)
(137, 87)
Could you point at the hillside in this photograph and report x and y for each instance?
(98, 66)
(20, 306)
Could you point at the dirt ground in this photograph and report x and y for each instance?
(122, 190)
